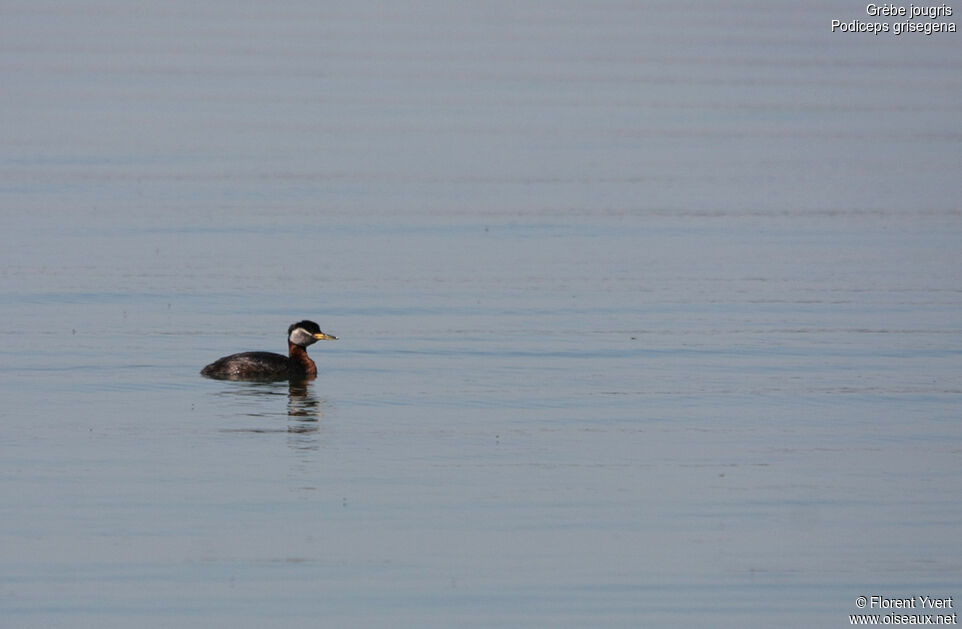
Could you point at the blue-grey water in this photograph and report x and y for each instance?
(650, 314)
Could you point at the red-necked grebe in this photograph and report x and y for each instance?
(297, 365)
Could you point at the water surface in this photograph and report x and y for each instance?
(648, 315)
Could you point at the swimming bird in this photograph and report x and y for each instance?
(297, 365)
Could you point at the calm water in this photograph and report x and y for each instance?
(649, 314)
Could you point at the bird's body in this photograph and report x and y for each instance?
(297, 365)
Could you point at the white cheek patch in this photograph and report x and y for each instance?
(301, 336)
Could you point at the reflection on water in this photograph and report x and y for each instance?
(302, 403)
(303, 408)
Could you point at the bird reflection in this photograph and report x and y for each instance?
(303, 412)
(303, 406)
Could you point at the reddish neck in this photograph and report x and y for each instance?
(300, 360)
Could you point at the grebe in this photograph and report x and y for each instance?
(270, 366)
